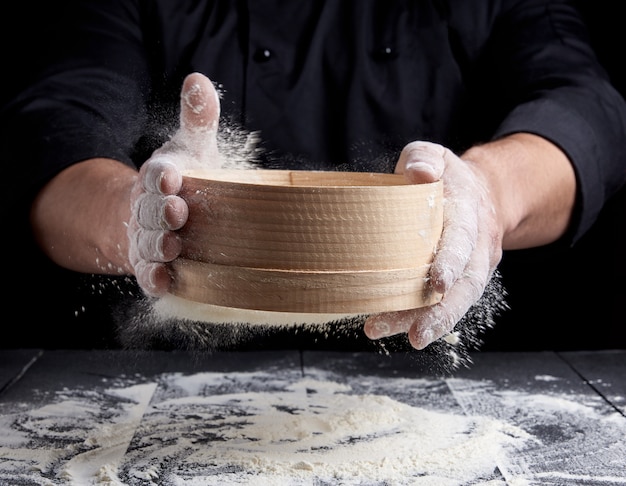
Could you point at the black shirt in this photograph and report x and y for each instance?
(327, 85)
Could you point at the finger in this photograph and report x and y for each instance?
(441, 318)
(156, 246)
(463, 196)
(176, 212)
(159, 175)
(432, 323)
(199, 104)
(155, 212)
(421, 162)
(427, 324)
(194, 145)
(153, 278)
(388, 324)
(456, 244)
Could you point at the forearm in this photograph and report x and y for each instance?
(532, 184)
(79, 218)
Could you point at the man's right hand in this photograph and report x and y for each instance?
(156, 209)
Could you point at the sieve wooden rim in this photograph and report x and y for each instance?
(303, 292)
(290, 180)
(306, 241)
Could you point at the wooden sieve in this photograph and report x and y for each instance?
(307, 241)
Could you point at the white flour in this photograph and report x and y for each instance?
(316, 429)
(171, 306)
(183, 324)
(280, 428)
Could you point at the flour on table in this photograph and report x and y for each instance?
(283, 428)
(293, 432)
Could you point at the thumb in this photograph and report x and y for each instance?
(422, 162)
(199, 105)
(196, 138)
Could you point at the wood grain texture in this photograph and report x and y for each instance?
(300, 292)
(300, 241)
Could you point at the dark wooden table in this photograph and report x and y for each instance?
(128, 417)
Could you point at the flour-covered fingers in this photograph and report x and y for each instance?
(153, 278)
(199, 105)
(155, 212)
(194, 145)
(456, 244)
(427, 324)
(466, 215)
(422, 326)
(387, 324)
(421, 162)
(156, 246)
(440, 319)
(432, 323)
(161, 175)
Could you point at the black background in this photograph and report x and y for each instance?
(558, 299)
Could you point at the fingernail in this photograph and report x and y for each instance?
(423, 167)
(155, 173)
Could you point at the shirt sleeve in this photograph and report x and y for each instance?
(80, 93)
(548, 81)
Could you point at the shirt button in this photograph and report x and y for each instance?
(385, 53)
(262, 54)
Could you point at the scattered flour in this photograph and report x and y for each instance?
(283, 428)
(181, 324)
(247, 428)
(546, 378)
(171, 306)
(312, 429)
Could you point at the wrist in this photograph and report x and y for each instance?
(532, 185)
(79, 218)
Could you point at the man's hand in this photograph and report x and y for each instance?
(515, 192)
(468, 252)
(156, 209)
